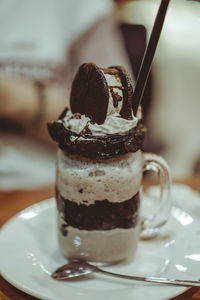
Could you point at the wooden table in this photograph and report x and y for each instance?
(13, 202)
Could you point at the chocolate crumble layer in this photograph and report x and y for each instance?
(97, 147)
(102, 215)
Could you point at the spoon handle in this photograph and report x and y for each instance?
(154, 279)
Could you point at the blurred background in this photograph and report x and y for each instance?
(44, 42)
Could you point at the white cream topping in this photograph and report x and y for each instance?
(112, 80)
(113, 124)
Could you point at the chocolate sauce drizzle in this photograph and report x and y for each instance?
(115, 96)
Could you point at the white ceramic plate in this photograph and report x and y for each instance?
(29, 253)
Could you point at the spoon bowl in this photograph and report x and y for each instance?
(73, 269)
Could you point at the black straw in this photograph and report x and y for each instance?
(148, 56)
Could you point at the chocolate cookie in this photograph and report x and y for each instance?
(89, 93)
(126, 111)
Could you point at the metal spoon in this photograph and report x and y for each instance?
(78, 269)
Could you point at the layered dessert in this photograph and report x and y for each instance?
(99, 166)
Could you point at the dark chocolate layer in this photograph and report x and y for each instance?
(97, 147)
(103, 215)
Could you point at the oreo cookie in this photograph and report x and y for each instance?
(126, 110)
(89, 93)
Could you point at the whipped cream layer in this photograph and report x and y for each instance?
(114, 124)
(83, 181)
(98, 245)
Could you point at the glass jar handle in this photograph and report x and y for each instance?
(150, 225)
